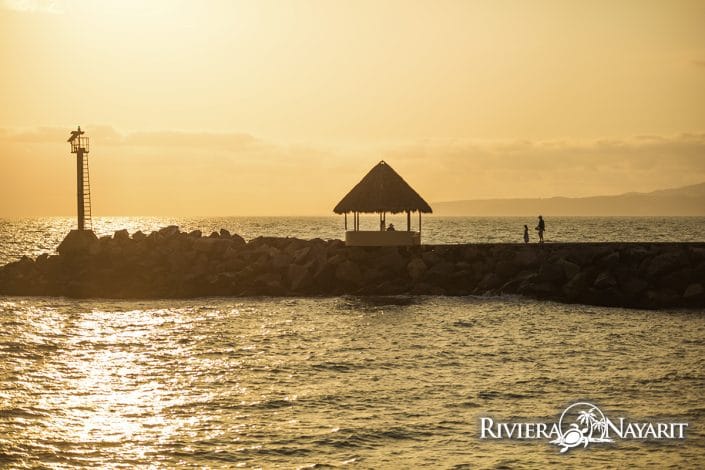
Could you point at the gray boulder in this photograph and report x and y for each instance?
(431, 258)
(551, 273)
(170, 231)
(611, 260)
(348, 271)
(77, 242)
(489, 281)
(299, 276)
(441, 269)
(663, 263)
(416, 268)
(605, 280)
(506, 268)
(661, 297)
(527, 257)
(281, 260)
(634, 286)
(693, 291)
(237, 240)
(570, 269)
(121, 235)
(301, 255)
(139, 236)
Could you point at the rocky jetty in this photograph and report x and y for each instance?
(171, 263)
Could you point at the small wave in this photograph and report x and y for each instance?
(464, 404)
(495, 395)
(384, 300)
(24, 413)
(28, 350)
(316, 465)
(671, 377)
(272, 404)
(698, 341)
(695, 412)
(335, 366)
(372, 438)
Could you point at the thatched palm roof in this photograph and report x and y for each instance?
(382, 190)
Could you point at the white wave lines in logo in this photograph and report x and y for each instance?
(581, 424)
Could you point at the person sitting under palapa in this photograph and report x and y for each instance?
(391, 228)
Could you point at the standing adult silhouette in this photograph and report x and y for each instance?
(541, 227)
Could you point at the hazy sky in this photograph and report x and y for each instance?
(275, 107)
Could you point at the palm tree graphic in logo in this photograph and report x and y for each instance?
(589, 426)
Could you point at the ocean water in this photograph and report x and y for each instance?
(34, 236)
(343, 382)
(346, 382)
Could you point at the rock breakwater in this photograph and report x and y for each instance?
(170, 263)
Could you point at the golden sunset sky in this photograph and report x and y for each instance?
(280, 107)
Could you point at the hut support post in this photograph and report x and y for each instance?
(408, 221)
(419, 223)
(346, 221)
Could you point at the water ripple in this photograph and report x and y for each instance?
(318, 383)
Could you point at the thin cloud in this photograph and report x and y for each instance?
(551, 168)
(35, 6)
(228, 140)
(699, 63)
(309, 177)
(109, 136)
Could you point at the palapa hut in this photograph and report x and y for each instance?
(382, 190)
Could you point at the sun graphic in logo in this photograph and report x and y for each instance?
(581, 423)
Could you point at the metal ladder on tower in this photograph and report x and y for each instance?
(87, 195)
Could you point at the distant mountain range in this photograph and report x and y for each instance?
(688, 200)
